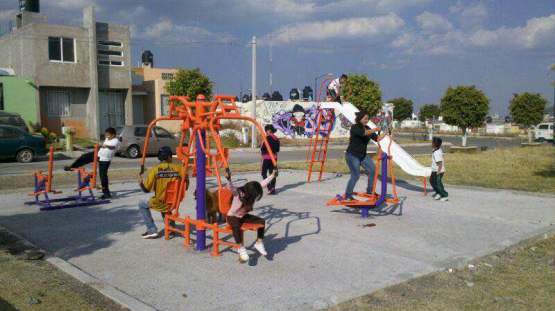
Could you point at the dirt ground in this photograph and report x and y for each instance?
(28, 282)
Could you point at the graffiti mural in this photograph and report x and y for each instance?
(297, 119)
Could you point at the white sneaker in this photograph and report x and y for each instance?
(243, 256)
(444, 199)
(260, 248)
(437, 197)
(434, 194)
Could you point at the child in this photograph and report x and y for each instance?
(335, 88)
(243, 201)
(438, 169)
(105, 155)
(267, 164)
(158, 178)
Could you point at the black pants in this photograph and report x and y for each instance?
(334, 96)
(437, 184)
(236, 223)
(103, 172)
(268, 168)
(83, 160)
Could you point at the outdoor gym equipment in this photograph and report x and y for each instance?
(373, 200)
(201, 119)
(86, 182)
(318, 146)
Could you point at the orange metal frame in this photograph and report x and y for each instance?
(46, 178)
(319, 145)
(198, 117)
(91, 176)
(370, 199)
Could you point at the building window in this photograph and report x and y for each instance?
(116, 63)
(165, 108)
(61, 49)
(110, 53)
(1, 96)
(57, 103)
(109, 43)
(167, 76)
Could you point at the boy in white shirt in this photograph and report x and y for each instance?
(106, 153)
(438, 170)
(335, 87)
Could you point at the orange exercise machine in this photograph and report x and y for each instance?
(86, 182)
(201, 119)
(366, 200)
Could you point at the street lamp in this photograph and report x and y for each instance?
(316, 81)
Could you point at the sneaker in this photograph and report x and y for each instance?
(148, 235)
(67, 168)
(272, 192)
(434, 194)
(106, 196)
(349, 198)
(243, 256)
(444, 199)
(259, 246)
(437, 197)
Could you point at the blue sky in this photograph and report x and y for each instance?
(413, 48)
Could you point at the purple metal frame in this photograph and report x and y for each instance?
(201, 190)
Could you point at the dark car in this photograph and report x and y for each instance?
(13, 119)
(24, 147)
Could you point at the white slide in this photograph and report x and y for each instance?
(402, 158)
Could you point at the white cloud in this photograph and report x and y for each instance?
(538, 32)
(374, 6)
(373, 27)
(71, 4)
(470, 16)
(166, 31)
(291, 8)
(6, 15)
(433, 23)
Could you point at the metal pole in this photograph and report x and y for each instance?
(201, 190)
(254, 144)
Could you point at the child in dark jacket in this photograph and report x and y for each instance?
(267, 164)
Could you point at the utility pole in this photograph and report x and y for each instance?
(254, 143)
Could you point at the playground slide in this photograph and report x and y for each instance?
(402, 158)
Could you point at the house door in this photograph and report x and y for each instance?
(112, 109)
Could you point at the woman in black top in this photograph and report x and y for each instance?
(356, 153)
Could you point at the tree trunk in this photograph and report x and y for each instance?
(464, 137)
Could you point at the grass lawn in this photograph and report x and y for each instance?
(526, 169)
(521, 277)
(37, 285)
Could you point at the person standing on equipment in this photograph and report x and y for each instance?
(158, 179)
(335, 88)
(356, 156)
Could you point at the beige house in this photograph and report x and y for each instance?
(150, 96)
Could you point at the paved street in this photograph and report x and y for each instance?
(299, 154)
(319, 255)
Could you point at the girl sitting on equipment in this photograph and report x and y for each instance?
(438, 169)
(243, 202)
(267, 164)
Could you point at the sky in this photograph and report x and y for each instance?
(412, 48)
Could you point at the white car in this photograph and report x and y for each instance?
(544, 131)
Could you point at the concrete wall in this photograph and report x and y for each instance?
(20, 96)
(293, 118)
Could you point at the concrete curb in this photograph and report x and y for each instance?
(105, 289)
(112, 293)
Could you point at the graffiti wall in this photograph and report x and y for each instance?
(296, 119)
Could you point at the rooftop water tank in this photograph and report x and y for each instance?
(29, 6)
(148, 58)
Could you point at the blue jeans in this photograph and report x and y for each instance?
(147, 217)
(354, 163)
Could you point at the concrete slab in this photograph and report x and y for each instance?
(319, 255)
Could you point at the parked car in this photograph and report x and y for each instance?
(132, 138)
(24, 147)
(544, 131)
(13, 119)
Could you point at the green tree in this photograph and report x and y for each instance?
(465, 107)
(527, 110)
(428, 112)
(364, 94)
(402, 108)
(190, 82)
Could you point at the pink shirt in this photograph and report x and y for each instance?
(236, 209)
